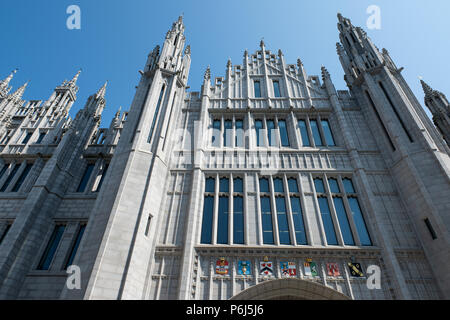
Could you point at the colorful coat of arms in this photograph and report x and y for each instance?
(266, 267)
(333, 269)
(244, 268)
(222, 266)
(310, 268)
(288, 269)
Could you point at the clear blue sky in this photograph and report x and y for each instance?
(117, 35)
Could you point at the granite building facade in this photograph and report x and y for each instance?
(267, 184)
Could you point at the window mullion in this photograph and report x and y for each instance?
(276, 236)
(312, 142)
(230, 209)
(216, 210)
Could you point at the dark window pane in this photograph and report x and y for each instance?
(41, 137)
(238, 220)
(227, 133)
(278, 185)
(334, 187)
(76, 244)
(84, 181)
(50, 250)
(105, 169)
(5, 167)
(259, 133)
(238, 185)
(222, 221)
(216, 133)
(348, 185)
(27, 137)
(327, 132)
(276, 89)
(257, 89)
(224, 185)
(318, 183)
(266, 214)
(359, 222)
(22, 177)
(283, 226)
(283, 133)
(316, 133)
(156, 114)
(210, 185)
(327, 221)
(263, 185)
(208, 209)
(304, 133)
(10, 177)
(293, 186)
(297, 216)
(239, 133)
(8, 226)
(271, 133)
(343, 221)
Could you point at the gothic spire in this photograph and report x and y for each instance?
(73, 82)
(19, 92)
(101, 92)
(426, 89)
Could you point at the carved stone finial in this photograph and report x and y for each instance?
(299, 63)
(187, 50)
(325, 73)
(207, 75)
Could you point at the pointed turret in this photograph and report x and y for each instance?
(17, 95)
(4, 84)
(101, 92)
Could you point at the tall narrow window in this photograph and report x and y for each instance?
(156, 114)
(379, 120)
(327, 221)
(327, 132)
(222, 221)
(395, 111)
(316, 133)
(266, 215)
(276, 89)
(50, 250)
(283, 133)
(271, 133)
(5, 232)
(259, 129)
(105, 169)
(297, 216)
(334, 187)
(74, 249)
(318, 184)
(10, 177)
(22, 177)
(304, 133)
(343, 221)
(238, 185)
(283, 226)
(27, 137)
(239, 138)
(216, 133)
(238, 220)
(86, 175)
(227, 133)
(208, 210)
(359, 222)
(429, 227)
(257, 87)
(292, 184)
(41, 137)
